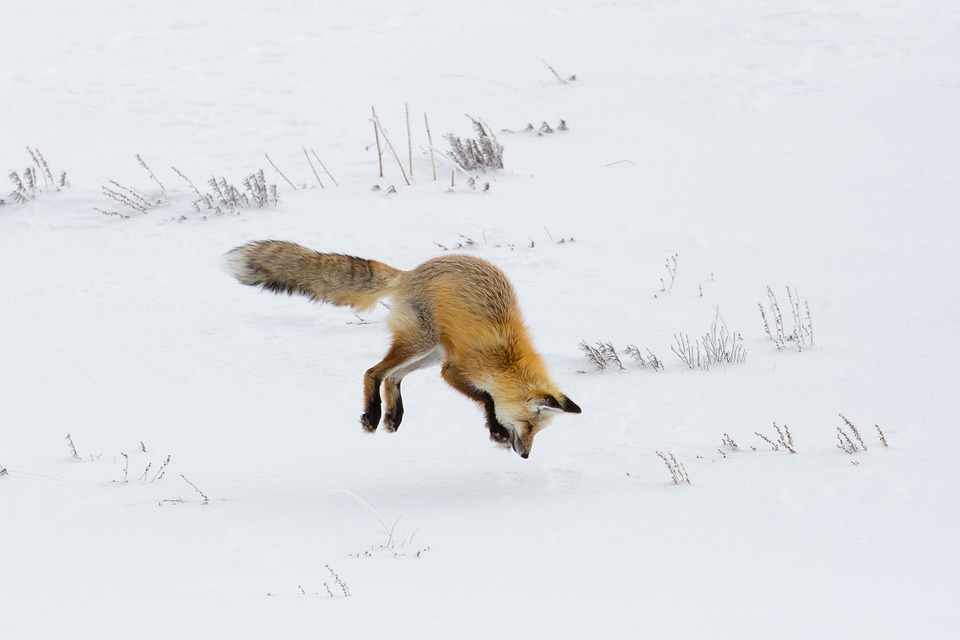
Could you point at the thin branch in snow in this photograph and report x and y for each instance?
(324, 167)
(150, 171)
(206, 500)
(883, 438)
(312, 168)
(856, 433)
(558, 76)
(292, 186)
(73, 448)
(393, 151)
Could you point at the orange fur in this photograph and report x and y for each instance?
(456, 310)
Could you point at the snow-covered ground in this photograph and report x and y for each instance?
(223, 477)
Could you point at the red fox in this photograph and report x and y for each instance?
(457, 310)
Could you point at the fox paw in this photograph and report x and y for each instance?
(391, 421)
(500, 436)
(370, 420)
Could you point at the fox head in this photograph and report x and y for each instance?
(518, 422)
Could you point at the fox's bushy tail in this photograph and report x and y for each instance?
(285, 267)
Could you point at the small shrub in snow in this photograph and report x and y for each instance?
(716, 346)
(856, 432)
(603, 354)
(24, 189)
(784, 439)
(856, 443)
(130, 198)
(671, 266)
(644, 361)
(227, 198)
(677, 472)
(3, 471)
(594, 355)
(477, 154)
(223, 197)
(340, 583)
(719, 346)
(161, 471)
(800, 331)
(27, 187)
(845, 443)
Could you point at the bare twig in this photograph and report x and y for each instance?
(192, 186)
(161, 471)
(556, 75)
(593, 355)
(312, 168)
(376, 132)
(127, 196)
(883, 438)
(856, 432)
(293, 186)
(649, 360)
(41, 163)
(846, 444)
(144, 165)
(785, 438)
(770, 442)
(324, 167)
(73, 448)
(409, 139)
(206, 500)
(111, 213)
(433, 160)
(406, 178)
(340, 583)
(672, 271)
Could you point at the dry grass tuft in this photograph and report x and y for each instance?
(677, 471)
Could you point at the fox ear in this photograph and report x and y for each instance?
(568, 405)
(564, 404)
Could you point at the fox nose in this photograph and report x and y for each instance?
(524, 455)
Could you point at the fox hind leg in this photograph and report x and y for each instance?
(393, 403)
(392, 400)
(399, 361)
(372, 380)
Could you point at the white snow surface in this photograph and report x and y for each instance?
(804, 143)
